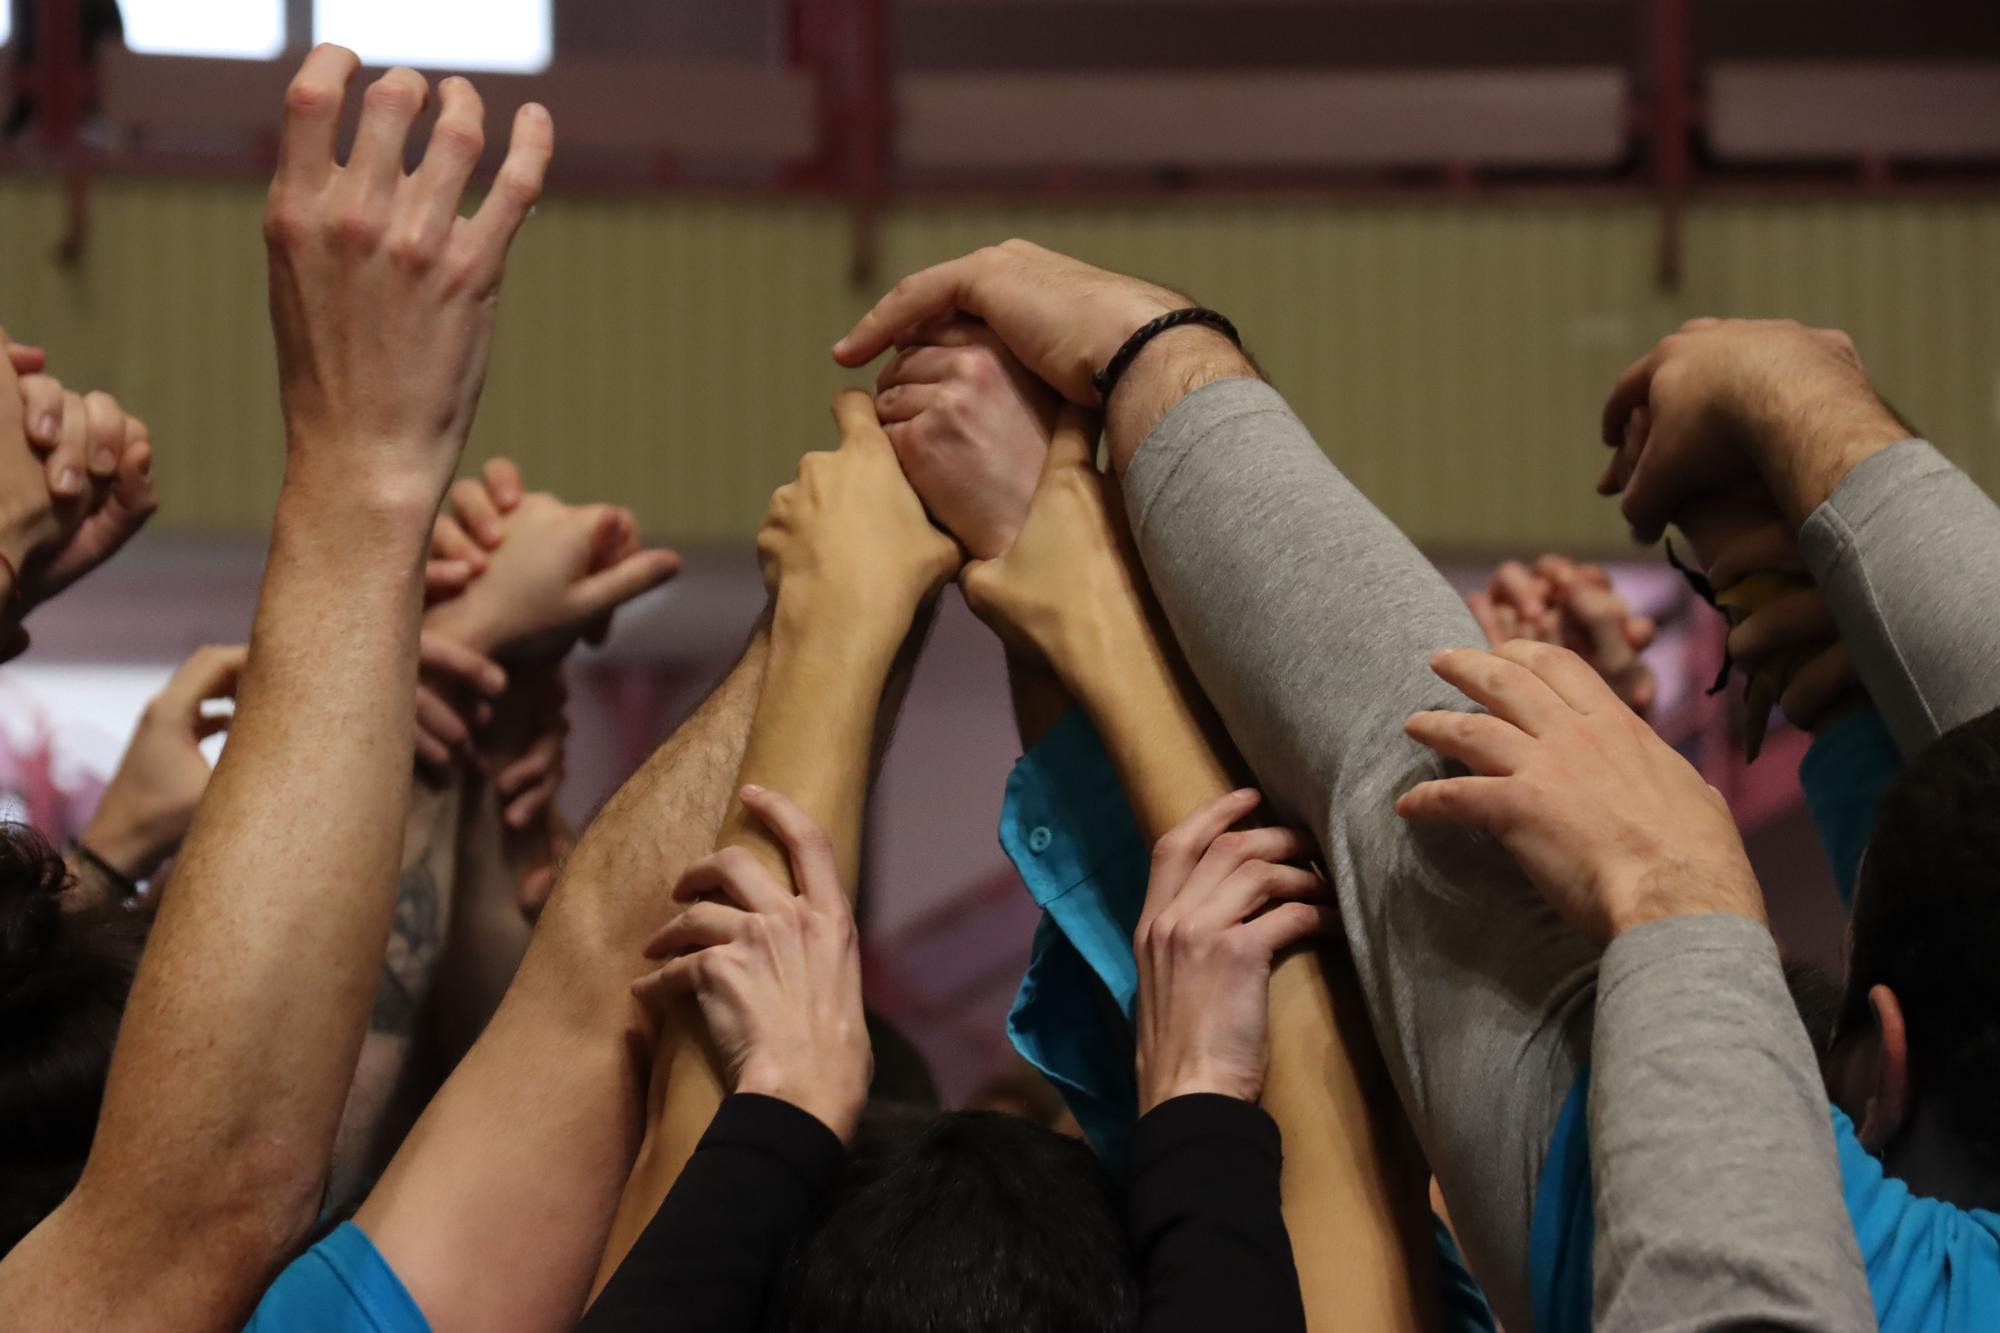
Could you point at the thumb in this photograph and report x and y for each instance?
(636, 573)
(854, 415)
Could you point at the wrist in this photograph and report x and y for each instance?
(1168, 369)
(841, 619)
(1647, 895)
(1805, 451)
(134, 846)
(834, 1100)
(1195, 1079)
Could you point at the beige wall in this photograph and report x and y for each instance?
(671, 354)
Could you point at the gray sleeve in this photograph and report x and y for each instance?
(1908, 552)
(1716, 1177)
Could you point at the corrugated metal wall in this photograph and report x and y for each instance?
(671, 354)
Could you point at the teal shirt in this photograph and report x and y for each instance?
(341, 1285)
(1070, 832)
(1932, 1267)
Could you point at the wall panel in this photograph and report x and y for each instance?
(671, 353)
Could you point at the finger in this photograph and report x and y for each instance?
(1292, 923)
(613, 587)
(1640, 631)
(312, 116)
(1767, 548)
(445, 578)
(1618, 474)
(534, 764)
(525, 808)
(134, 496)
(918, 365)
(1254, 886)
(1502, 687)
(436, 652)
(25, 358)
(439, 719)
(806, 844)
(854, 416)
(475, 511)
(1819, 686)
(212, 724)
(1599, 613)
(519, 184)
(66, 464)
(953, 330)
(533, 892)
(674, 977)
(432, 752)
(450, 541)
(42, 410)
(1474, 802)
(208, 673)
(699, 926)
(1484, 743)
(1490, 623)
(734, 873)
(503, 483)
(935, 291)
(1176, 854)
(106, 434)
(1229, 852)
(1515, 586)
(457, 140)
(904, 402)
(388, 109)
(1574, 681)
(1630, 390)
(1796, 622)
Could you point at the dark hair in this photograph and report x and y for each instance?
(963, 1222)
(1927, 925)
(902, 1075)
(64, 978)
(1816, 995)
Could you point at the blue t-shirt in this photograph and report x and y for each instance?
(1069, 831)
(1932, 1267)
(341, 1285)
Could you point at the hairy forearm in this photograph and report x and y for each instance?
(249, 1008)
(813, 738)
(1172, 366)
(423, 918)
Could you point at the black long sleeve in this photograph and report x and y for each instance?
(710, 1256)
(1206, 1223)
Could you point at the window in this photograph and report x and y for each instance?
(508, 36)
(240, 29)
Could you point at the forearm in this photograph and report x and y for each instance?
(249, 1008)
(812, 739)
(1354, 1191)
(423, 917)
(1711, 1143)
(1904, 550)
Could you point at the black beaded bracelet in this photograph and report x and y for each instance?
(1105, 380)
(117, 878)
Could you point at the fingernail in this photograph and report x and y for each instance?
(69, 482)
(495, 679)
(107, 461)
(752, 789)
(49, 427)
(146, 466)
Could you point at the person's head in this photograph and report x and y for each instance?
(902, 1076)
(1918, 1037)
(64, 977)
(964, 1222)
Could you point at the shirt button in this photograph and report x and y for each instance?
(1039, 839)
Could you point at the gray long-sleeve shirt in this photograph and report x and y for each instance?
(1310, 621)
(1908, 552)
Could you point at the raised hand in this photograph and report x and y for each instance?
(382, 296)
(850, 529)
(1220, 906)
(777, 973)
(1613, 826)
(1727, 403)
(557, 570)
(1068, 572)
(1063, 318)
(971, 427)
(1563, 601)
(145, 811)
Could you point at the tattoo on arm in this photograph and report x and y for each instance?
(414, 942)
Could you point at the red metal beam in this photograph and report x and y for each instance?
(1672, 125)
